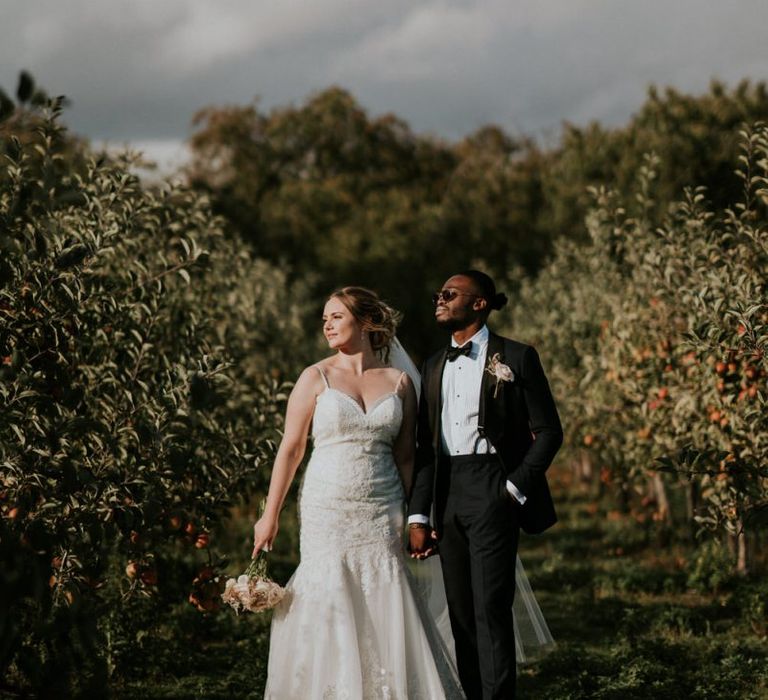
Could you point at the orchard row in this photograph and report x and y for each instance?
(656, 333)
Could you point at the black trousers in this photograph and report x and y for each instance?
(478, 539)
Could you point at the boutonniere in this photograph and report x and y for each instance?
(496, 368)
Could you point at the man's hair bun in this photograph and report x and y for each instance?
(499, 301)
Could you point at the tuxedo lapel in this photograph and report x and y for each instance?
(434, 398)
(490, 406)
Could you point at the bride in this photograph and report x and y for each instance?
(356, 623)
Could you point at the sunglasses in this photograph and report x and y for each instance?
(448, 295)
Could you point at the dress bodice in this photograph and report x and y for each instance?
(339, 420)
(352, 456)
(352, 467)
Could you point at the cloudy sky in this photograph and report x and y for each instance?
(137, 70)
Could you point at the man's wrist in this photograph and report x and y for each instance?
(418, 518)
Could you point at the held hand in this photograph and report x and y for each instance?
(422, 542)
(264, 533)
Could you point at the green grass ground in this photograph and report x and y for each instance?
(627, 609)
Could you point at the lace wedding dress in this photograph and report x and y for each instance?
(352, 624)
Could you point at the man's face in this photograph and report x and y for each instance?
(459, 304)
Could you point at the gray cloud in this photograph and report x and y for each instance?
(137, 70)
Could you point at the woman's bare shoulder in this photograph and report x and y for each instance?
(393, 373)
(311, 378)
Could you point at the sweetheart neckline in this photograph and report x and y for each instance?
(360, 408)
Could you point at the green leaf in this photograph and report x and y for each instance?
(71, 256)
(19, 434)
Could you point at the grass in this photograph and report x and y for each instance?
(630, 618)
(628, 606)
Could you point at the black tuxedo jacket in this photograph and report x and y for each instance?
(521, 422)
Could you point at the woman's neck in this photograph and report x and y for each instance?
(357, 362)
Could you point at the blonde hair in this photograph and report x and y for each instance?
(375, 316)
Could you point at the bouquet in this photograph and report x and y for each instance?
(253, 590)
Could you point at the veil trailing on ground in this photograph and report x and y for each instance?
(532, 635)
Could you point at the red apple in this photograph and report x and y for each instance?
(149, 577)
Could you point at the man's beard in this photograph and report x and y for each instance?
(451, 324)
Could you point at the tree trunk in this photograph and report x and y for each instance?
(576, 470)
(662, 500)
(586, 466)
(581, 467)
(742, 558)
(691, 504)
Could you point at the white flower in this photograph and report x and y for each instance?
(252, 591)
(231, 595)
(502, 373)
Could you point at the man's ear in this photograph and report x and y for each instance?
(480, 304)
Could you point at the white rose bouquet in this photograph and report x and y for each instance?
(254, 590)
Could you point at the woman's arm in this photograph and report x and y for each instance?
(404, 449)
(298, 417)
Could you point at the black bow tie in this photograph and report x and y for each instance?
(453, 351)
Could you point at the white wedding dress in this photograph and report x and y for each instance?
(352, 624)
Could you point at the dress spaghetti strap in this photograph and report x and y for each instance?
(399, 384)
(322, 374)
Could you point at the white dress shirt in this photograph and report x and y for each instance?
(460, 395)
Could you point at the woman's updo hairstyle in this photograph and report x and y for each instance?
(487, 289)
(375, 317)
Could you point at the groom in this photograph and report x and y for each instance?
(488, 430)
